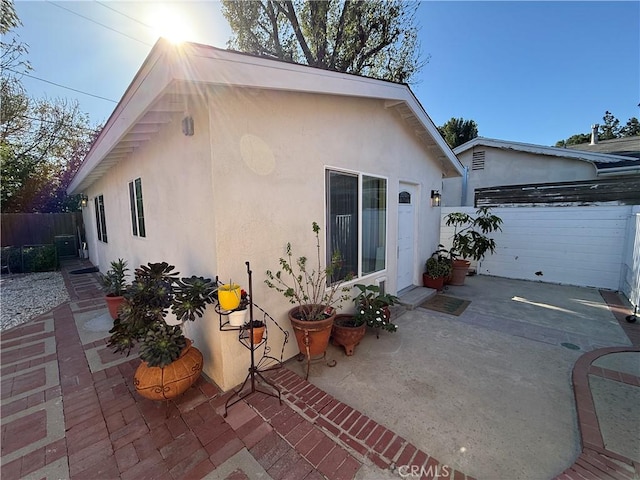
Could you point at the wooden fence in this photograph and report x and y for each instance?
(19, 229)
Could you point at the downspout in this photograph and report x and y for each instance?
(465, 181)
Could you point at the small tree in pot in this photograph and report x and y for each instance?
(316, 297)
(470, 238)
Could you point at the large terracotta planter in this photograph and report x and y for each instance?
(347, 336)
(165, 383)
(312, 336)
(113, 304)
(429, 282)
(460, 269)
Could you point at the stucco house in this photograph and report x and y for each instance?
(490, 163)
(213, 158)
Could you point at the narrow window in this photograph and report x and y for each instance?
(374, 224)
(101, 222)
(342, 228)
(356, 203)
(137, 208)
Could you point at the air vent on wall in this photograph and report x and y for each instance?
(477, 162)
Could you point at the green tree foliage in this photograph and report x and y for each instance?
(631, 129)
(42, 142)
(609, 129)
(375, 38)
(457, 131)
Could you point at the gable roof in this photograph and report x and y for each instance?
(173, 72)
(604, 163)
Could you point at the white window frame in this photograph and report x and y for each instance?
(101, 218)
(360, 175)
(138, 227)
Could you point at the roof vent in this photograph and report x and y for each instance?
(477, 161)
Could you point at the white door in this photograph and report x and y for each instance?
(406, 253)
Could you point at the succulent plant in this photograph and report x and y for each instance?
(156, 289)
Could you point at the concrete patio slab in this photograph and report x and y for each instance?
(618, 410)
(488, 392)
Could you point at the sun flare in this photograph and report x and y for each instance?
(170, 24)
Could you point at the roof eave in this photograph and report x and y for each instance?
(200, 64)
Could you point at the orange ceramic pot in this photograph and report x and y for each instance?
(165, 383)
(312, 336)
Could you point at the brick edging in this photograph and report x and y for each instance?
(362, 436)
(595, 458)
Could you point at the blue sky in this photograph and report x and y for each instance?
(533, 72)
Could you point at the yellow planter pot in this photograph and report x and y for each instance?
(229, 296)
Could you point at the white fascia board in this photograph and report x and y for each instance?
(540, 150)
(628, 170)
(209, 65)
(201, 64)
(148, 84)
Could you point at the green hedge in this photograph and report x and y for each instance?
(30, 258)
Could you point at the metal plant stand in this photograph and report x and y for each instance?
(265, 363)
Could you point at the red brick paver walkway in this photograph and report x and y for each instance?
(60, 419)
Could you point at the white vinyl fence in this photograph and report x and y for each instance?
(592, 246)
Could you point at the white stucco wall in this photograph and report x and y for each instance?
(511, 167)
(251, 179)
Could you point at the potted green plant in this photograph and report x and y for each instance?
(470, 240)
(169, 363)
(258, 330)
(316, 296)
(114, 285)
(372, 307)
(437, 268)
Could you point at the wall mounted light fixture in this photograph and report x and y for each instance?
(187, 126)
(435, 198)
(84, 200)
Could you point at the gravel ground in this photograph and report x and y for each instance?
(25, 296)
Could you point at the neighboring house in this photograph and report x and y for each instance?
(214, 158)
(502, 172)
(626, 146)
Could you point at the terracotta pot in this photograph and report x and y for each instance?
(460, 269)
(429, 282)
(258, 333)
(312, 336)
(346, 336)
(165, 383)
(113, 304)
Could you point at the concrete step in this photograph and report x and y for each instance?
(415, 296)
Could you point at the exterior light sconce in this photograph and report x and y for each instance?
(435, 198)
(84, 200)
(187, 126)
